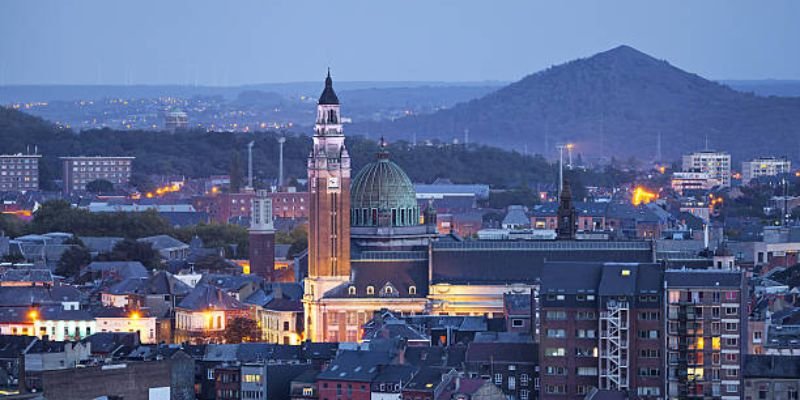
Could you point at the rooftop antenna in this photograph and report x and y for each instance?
(250, 165)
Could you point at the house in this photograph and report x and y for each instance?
(118, 320)
(771, 377)
(350, 375)
(510, 366)
(168, 247)
(203, 315)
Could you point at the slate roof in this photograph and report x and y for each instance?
(27, 275)
(221, 352)
(516, 216)
(582, 208)
(252, 352)
(128, 286)
(425, 376)
(205, 297)
(771, 366)
(100, 244)
(700, 277)
(355, 366)
(400, 275)
(122, 269)
(571, 277)
(12, 296)
(162, 242)
(109, 342)
(58, 313)
(230, 282)
(282, 251)
(518, 303)
(163, 282)
(504, 262)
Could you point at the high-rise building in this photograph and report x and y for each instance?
(600, 328)
(19, 172)
(706, 323)
(176, 120)
(79, 171)
(716, 164)
(329, 207)
(765, 166)
(262, 237)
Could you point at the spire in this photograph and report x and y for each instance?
(328, 95)
(383, 153)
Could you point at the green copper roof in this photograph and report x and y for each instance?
(382, 195)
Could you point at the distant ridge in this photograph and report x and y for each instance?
(615, 103)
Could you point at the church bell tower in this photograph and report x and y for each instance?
(329, 209)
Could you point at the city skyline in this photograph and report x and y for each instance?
(177, 43)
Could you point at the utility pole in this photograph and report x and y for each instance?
(560, 168)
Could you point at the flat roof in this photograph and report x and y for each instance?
(97, 157)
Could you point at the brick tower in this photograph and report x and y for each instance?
(329, 209)
(262, 237)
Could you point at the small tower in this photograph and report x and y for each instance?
(723, 258)
(262, 237)
(430, 218)
(566, 214)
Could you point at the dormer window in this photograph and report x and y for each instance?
(370, 290)
(351, 290)
(412, 290)
(388, 290)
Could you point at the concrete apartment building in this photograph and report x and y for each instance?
(19, 172)
(765, 166)
(716, 164)
(79, 171)
(706, 330)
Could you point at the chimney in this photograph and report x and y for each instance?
(281, 141)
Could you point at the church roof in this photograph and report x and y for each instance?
(328, 96)
(384, 186)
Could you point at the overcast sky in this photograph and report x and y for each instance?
(260, 41)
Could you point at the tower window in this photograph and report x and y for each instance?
(370, 290)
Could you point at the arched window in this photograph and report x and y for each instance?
(388, 290)
(412, 290)
(351, 290)
(370, 290)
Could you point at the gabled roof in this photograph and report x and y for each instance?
(28, 275)
(389, 279)
(122, 269)
(162, 242)
(16, 296)
(207, 297)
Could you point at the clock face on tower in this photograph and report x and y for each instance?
(333, 182)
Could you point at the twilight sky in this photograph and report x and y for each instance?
(261, 41)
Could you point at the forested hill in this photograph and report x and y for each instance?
(615, 103)
(200, 153)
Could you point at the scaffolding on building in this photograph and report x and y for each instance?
(614, 345)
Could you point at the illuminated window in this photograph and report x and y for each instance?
(626, 272)
(715, 343)
(700, 343)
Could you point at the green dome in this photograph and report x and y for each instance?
(382, 195)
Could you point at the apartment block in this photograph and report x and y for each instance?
(19, 172)
(79, 171)
(716, 164)
(765, 166)
(706, 328)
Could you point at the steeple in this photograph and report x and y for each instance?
(566, 214)
(328, 96)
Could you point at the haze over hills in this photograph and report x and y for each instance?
(615, 103)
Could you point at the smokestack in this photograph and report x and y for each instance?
(281, 141)
(250, 165)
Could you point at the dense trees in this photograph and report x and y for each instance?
(241, 329)
(72, 261)
(59, 216)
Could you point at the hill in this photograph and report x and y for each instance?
(199, 153)
(615, 103)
